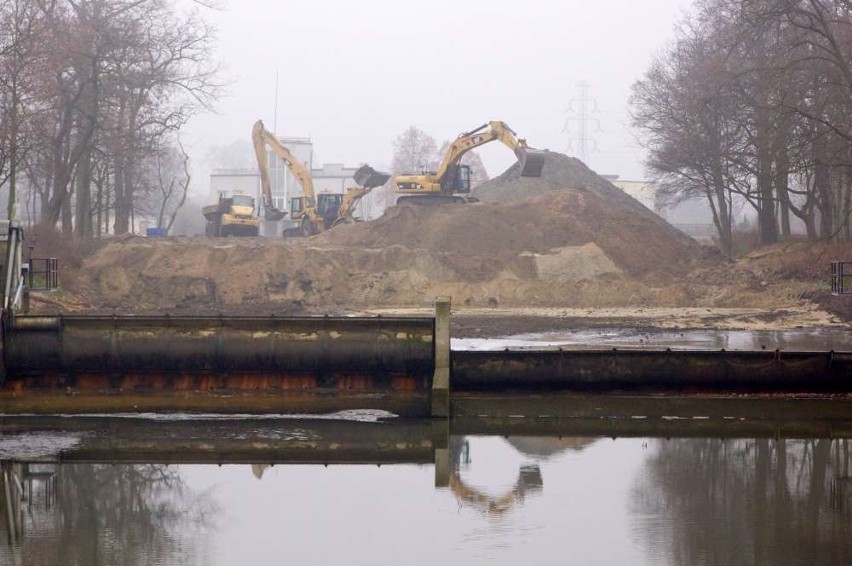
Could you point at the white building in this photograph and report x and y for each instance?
(692, 217)
(643, 191)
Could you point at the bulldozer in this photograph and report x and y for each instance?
(314, 212)
(451, 182)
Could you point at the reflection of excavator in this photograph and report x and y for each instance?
(453, 179)
(529, 481)
(314, 212)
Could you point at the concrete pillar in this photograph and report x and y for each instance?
(441, 379)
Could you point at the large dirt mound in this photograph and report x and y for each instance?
(567, 239)
(484, 239)
(561, 172)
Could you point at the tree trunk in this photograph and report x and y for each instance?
(83, 204)
(121, 212)
(721, 211)
(67, 218)
(767, 222)
(824, 198)
(782, 181)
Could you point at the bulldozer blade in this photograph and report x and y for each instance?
(369, 178)
(532, 162)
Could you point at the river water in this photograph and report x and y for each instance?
(368, 489)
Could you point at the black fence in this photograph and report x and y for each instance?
(43, 274)
(840, 272)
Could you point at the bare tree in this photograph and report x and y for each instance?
(753, 102)
(21, 31)
(691, 129)
(108, 82)
(166, 178)
(414, 151)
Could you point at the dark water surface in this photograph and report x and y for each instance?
(227, 492)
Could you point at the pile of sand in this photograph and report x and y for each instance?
(569, 238)
(567, 221)
(574, 228)
(562, 172)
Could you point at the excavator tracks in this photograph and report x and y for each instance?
(436, 199)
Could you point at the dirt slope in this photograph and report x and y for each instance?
(568, 239)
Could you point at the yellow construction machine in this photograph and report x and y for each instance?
(452, 180)
(232, 216)
(315, 213)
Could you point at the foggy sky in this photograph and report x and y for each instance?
(353, 75)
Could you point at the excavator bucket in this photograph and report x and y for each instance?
(369, 178)
(531, 162)
(272, 214)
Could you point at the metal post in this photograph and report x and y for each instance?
(10, 267)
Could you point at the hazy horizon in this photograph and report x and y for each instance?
(353, 76)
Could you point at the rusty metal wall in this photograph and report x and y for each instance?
(377, 346)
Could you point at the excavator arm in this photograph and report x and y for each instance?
(367, 179)
(318, 213)
(452, 177)
(262, 139)
(531, 161)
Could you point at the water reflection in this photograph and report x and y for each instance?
(529, 482)
(99, 514)
(370, 493)
(749, 501)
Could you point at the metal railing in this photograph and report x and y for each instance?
(43, 274)
(840, 271)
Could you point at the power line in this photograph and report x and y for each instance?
(579, 110)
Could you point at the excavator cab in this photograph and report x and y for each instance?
(456, 180)
(328, 206)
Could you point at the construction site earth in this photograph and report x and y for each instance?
(564, 250)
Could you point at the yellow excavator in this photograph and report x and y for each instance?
(452, 180)
(315, 213)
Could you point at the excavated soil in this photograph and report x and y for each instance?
(569, 239)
